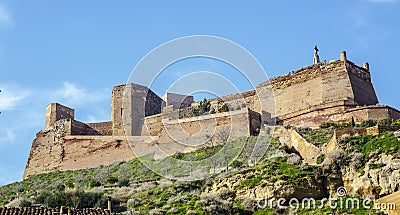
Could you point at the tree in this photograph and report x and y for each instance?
(203, 108)
(224, 108)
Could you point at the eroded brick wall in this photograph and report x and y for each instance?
(92, 151)
(47, 151)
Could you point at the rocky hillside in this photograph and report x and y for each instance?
(367, 166)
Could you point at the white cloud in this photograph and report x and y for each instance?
(75, 96)
(5, 17)
(11, 96)
(23, 114)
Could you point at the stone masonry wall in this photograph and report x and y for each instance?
(185, 135)
(55, 112)
(80, 128)
(47, 151)
(104, 128)
(92, 151)
(364, 93)
(130, 104)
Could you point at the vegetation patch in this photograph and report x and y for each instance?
(317, 137)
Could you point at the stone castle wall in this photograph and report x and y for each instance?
(185, 135)
(360, 79)
(47, 151)
(324, 90)
(104, 128)
(335, 92)
(91, 151)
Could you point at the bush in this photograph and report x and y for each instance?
(123, 182)
(25, 203)
(396, 123)
(320, 158)
(93, 183)
(223, 108)
(385, 122)
(111, 179)
(203, 108)
(328, 125)
(368, 123)
(237, 164)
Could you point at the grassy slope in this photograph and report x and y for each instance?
(179, 197)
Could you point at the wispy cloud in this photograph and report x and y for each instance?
(11, 96)
(5, 17)
(76, 96)
(27, 105)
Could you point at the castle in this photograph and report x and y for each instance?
(337, 91)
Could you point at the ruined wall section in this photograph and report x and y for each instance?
(92, 151)
(47, 151)
(248, 99)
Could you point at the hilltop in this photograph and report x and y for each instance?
(280, 173)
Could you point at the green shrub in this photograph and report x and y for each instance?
(223, 108)
(320, 158)
(385, 122)
(368, 123)
(251, 182)
(25, 203)
(328, 125)
(203, 108)
(396, 123)
(93, 183)
(111, 179)
(237, 164)
(123, 182)
(317, 137)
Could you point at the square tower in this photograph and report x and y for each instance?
(130, 104)
(55, 112)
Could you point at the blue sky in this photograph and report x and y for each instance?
(74, 52)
